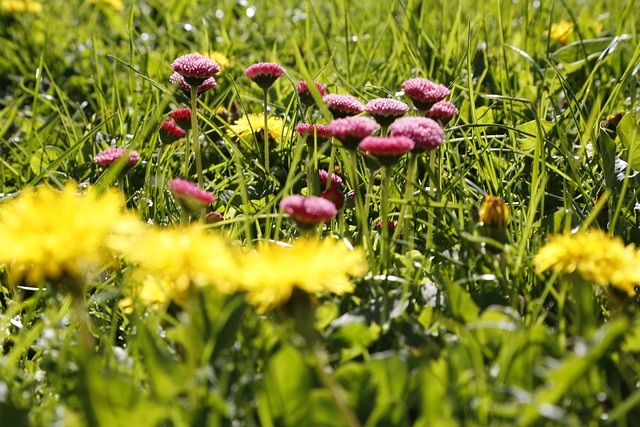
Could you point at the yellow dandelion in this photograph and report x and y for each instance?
(47, 234)
(179, 258)
(560, 31)
(20, 6)
(115, 4)
(146, 289)
(254, 123)
(494, 212)
(594, 255)
(270, 274)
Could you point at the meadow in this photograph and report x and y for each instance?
(253, 213)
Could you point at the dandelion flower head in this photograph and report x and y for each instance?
(115, 4)
(254, 123)
(494, 212)
(594, 255)
(560, 31)
(20, 6)
(270, 274)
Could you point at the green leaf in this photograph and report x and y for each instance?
(630, 138)
(437, 409)
(360, 391)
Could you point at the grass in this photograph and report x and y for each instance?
(461, 331)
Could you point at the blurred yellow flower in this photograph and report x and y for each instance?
(178, 258)
(270, 274)
(560, 31)
(20, 6)
(116, 4)
(254, 123)
(494, 212)
(48, 234)
(594, 255)
(223, 60)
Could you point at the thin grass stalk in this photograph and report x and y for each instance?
(406, 210)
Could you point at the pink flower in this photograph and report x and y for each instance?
(170, 132)
(179, 81)
(334, 195)
(351, 130)
(188, 193)
(112, 155)
(424, 93)
(336, 181)
(264, 73)
(182, 117)
(195, 68)
(386, 149)
(426, 133)
(386, 110)
(214, 217)
(321, 132)
(305, 94)
(308, 211)
(343, 105)
(443, 111)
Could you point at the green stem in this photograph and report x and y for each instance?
(432, 193)
(196, 142)
(405, 211)
(266, 132)
(384, 213)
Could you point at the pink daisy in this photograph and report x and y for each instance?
(386, 110)
(308, 211)
(424, 93)
(321, 132)
(305, 94)
(443, 111)
(386, 149)
(179, 81)
(343, 105)
(195, 68)
(112, 155)
(336, 181)
(182, 117)
(214, 217)
(425, 132)
(170, 132)
(351, 130)
(264, 74)
(188, 193)
(334, 195)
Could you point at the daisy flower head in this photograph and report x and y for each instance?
(214, 217)
(189, 195)
(182, 117)
(170, 132)
(308, 211)
(351, 130)
(177, 79)
(306, 98)
(273, 272)
(195, 68)
(319, 132)
(334, 195)
(264, 74)
(424, 93)
(111, 155)
(47, 234)
(386, 110)
(596, 256)
(336, 181)
(387, 150)
(252, 124)
(342, 106)
(442, 111)
(426, 133)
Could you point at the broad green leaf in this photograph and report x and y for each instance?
(43, 157)
(630, 139)
(436, 408)
(529, 133)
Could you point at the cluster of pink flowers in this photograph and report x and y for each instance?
(195, 68)
(309, 211)
(111, 155)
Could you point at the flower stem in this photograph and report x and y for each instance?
(430, 197)
(266, 132)
(384, 213)
(405, 211)
(196, 142)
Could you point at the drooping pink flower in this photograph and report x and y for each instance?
(342, 106)
(214, 217)
(180, 81)
(390, 223)
(305, 94)
(442, 111)
(112, 155)
(386, 110)
(321, 132)
(334, 195)
(188, 193)
(308, 211)
(336, 181)
(170, 132)
(264, 74)
(182, 117)
(351, 130)
(195, 68)
(426, 133)
(387, 150)
(424, 93)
